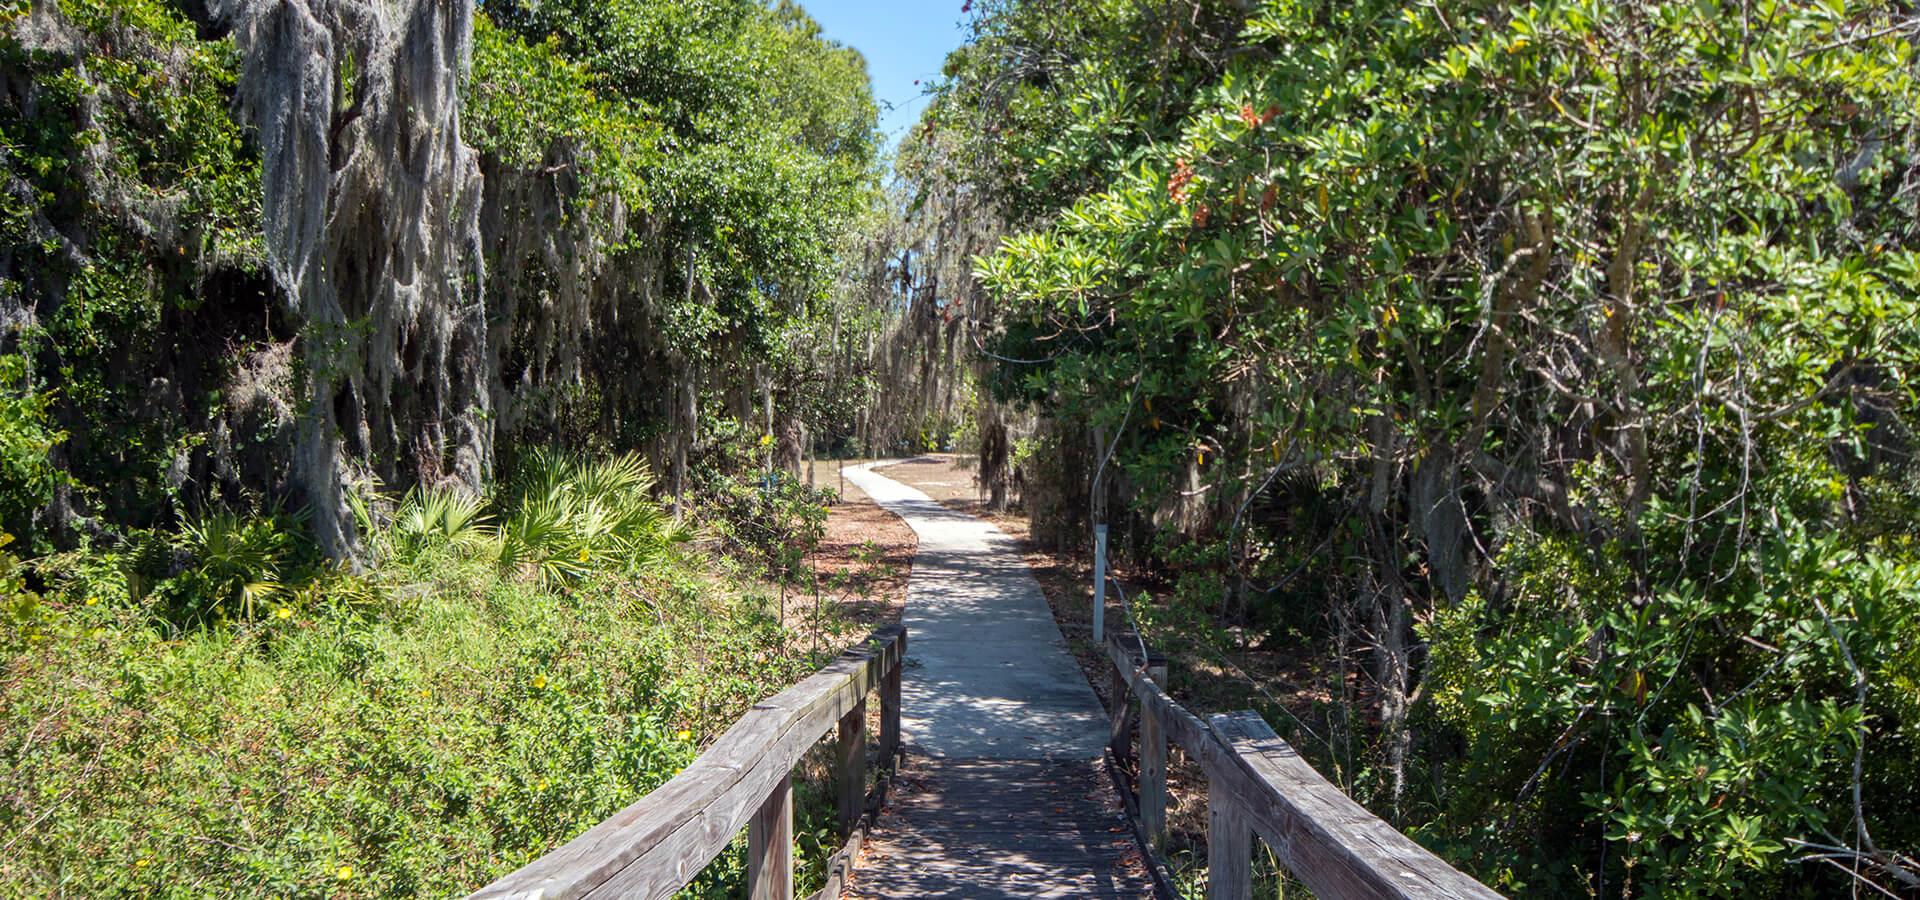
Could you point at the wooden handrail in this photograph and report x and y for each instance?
(659, 844)
(1257, 785)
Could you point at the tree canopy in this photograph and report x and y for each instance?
(1565, 347)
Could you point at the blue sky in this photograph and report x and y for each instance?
(903, 40)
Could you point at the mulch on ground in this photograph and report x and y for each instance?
(862, 562)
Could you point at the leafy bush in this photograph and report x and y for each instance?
(431, 519)
(1703, 792)
(24, 619)
(572, 516)
(333, 754)
(1589, 329)
(774, 519)
(476, 697)
(218, 568)
(27, 478)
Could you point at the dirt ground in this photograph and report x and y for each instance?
(862, 562)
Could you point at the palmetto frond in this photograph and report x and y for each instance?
(445, 517)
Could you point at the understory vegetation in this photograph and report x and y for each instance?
(220, 710)
(399, 406)
(1537, 377)
(402, 406)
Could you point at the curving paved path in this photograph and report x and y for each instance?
(1001, 795)
(987, 672)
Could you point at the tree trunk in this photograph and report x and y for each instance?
(993, 456)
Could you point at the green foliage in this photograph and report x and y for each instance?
(24, 618)
(1050, 101)
(573, 516)
(464, 706)
(527, 100)
(233, 566)
(1698, 788)
(221, 567)
(747, 135)
(463, 731)
(773, 520)
(130, 191)
(1588, 329)
(439, 519)
(27, 478)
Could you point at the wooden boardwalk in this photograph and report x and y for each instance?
(1001, 828)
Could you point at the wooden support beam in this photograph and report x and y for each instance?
(850, 764)
(1153, 764)
(890, 705)
(1229, 846)
(770, 846)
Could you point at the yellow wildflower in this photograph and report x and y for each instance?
(539, 682)
(93, 601)
(344, 873)
(684, 735)
(583, 554)
(142, 862)
(283, 613)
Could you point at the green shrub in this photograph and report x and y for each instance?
(23, 616)
(27, 479)
(774, 520)
(428, 520)
(463, 723)
(217, 711)
(572, 516)
(1700, 791)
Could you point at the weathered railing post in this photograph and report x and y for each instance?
(1229, 846)
(1153, 762)
(770, 846)
(1120, 729)
(890, 707)
(1099, 584)
(850, 764)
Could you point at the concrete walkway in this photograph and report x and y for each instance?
(1001, 795)
(987, 673)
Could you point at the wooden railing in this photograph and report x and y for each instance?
(1257, 785)
(745, 780)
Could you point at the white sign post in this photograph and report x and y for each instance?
(1099, 584)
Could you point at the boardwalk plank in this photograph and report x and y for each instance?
(1001, 828)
